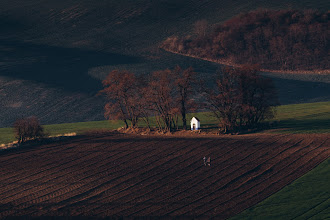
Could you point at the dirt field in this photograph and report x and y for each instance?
(124, 175)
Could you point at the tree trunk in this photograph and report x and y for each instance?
(183, 114)
(126, 124)
(184, 121)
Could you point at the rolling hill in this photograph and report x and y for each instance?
(54, 53)
(119, 175)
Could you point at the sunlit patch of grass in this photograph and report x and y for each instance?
(303, 118)
(297, 118)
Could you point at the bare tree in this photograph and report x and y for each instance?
(184, 80)
(159, 95)
(28, 129)
(241, 98)
(120, 88)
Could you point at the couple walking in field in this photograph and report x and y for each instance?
(207, 161)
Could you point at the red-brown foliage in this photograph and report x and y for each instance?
(123, 94)
(160, 97)
(164, 94)
(283, 39)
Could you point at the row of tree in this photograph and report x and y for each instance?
(275, 39)
(166, 94)
(240, 98)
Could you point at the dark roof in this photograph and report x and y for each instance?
(196, 118)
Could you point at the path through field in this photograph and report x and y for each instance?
(122, 175)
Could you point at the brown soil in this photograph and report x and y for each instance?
(104, 175)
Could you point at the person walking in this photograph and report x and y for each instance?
(208, 161)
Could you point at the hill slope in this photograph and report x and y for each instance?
(67, 46)
(127, 176)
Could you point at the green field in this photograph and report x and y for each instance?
(297, 118)
(304, 118)
(305, 198)
(7, 134)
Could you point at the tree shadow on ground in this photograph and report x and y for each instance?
(304, 125)
(296, 91)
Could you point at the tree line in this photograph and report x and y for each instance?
(240, 98)
(275, 39)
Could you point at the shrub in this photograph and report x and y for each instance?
(28, 129)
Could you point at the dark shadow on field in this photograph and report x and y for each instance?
(296, 91)
(66, 68)
(304, 125)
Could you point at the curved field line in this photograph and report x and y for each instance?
(168, 189)
(158, 196)
(200, 198)
(55, 167)
(86, 184)
(120, 183)
(206, 183)
(187, 173)
(292, 176)
(45, 149)
(18, 175)
(19, 184)
(261, 181)
(48, 185)
(135, 177)
(64, 174)
(238, 187)
(63, 151)
(49, 162)
(150, 180)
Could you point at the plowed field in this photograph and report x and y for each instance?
(123, 175)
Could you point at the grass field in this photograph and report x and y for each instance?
(304, 118)
(291, 201)
(297, 118)
(7, 134)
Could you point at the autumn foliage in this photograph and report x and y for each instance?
(241, 98)
(122, 92)
(165, 94)
(281, 39)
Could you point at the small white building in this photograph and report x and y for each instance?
(195, 124)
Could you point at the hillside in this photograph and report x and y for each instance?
(120, 175)
(275, 39)
(61, 49)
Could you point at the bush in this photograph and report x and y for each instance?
(28, 129)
